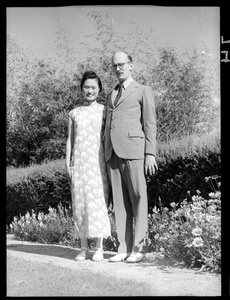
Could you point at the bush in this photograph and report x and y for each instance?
(36, 187)
(182, 165)
(38, 130)
(56, 227)
(190, 233)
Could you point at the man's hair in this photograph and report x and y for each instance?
(91, 75)
(128, 55)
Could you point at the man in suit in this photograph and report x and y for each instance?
(130, 149)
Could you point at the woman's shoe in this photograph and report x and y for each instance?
(82, 254)
(98, 255)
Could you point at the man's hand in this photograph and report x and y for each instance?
(150, 164)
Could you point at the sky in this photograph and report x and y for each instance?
(185, 28)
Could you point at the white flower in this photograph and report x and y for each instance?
(197, 231)
(210, 218)
(27, 216)
(196, 208)
(197, 242)
(218, 195)
(211, 195)
(155, 209)
(156, 236)
(39, 216)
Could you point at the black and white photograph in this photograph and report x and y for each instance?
(113, 150)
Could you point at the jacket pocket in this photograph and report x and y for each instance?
(136, 134)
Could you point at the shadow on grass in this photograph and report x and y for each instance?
(150, 260)
(51, 250)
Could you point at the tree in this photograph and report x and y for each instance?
(40, 93)
(41, 118)
(183, 85)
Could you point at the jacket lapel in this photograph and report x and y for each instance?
(129, 90)
(110, 99)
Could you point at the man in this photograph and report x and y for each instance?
(130, 148)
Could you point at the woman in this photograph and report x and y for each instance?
(86, 168)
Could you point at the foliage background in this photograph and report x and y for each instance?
(182, 227)
(41, 92)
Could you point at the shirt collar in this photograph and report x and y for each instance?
(125, 83)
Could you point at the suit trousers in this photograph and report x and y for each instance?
(129, 191)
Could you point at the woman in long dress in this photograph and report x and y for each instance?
(86, 168)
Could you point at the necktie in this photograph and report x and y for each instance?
(118, 94)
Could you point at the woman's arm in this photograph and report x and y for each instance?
(69, 145)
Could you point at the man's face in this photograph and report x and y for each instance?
(121, 66)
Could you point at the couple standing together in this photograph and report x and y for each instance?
(113, 144)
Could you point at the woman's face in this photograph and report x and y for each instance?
(90, 89)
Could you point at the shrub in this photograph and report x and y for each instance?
(182, 165)
(36, 187)
(189, 234)
(38, 130)
(56, 227)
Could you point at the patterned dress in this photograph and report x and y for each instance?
(90, 186)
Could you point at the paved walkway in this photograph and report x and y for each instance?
(50, 270)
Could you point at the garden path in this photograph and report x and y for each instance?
(59, 269)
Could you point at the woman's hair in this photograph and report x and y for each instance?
(91, 75)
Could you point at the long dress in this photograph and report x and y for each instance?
(90, 185)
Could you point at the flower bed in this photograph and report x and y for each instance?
(187, 235)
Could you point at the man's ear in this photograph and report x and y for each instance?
(131, 65)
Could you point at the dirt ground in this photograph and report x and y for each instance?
(50, 270)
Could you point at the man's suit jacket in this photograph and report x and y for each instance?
(130, 127)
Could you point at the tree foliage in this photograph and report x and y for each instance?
(40, 93)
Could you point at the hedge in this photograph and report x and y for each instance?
(36, 187)
(183, 167)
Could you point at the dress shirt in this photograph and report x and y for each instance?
(125, 85)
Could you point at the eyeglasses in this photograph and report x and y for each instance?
(120, 65)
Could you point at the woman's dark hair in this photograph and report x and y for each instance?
(91, 75)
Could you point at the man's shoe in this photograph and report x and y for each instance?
(134, 257)
(119, 257)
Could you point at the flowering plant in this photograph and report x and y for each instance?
(190, 233)
(56, 226)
